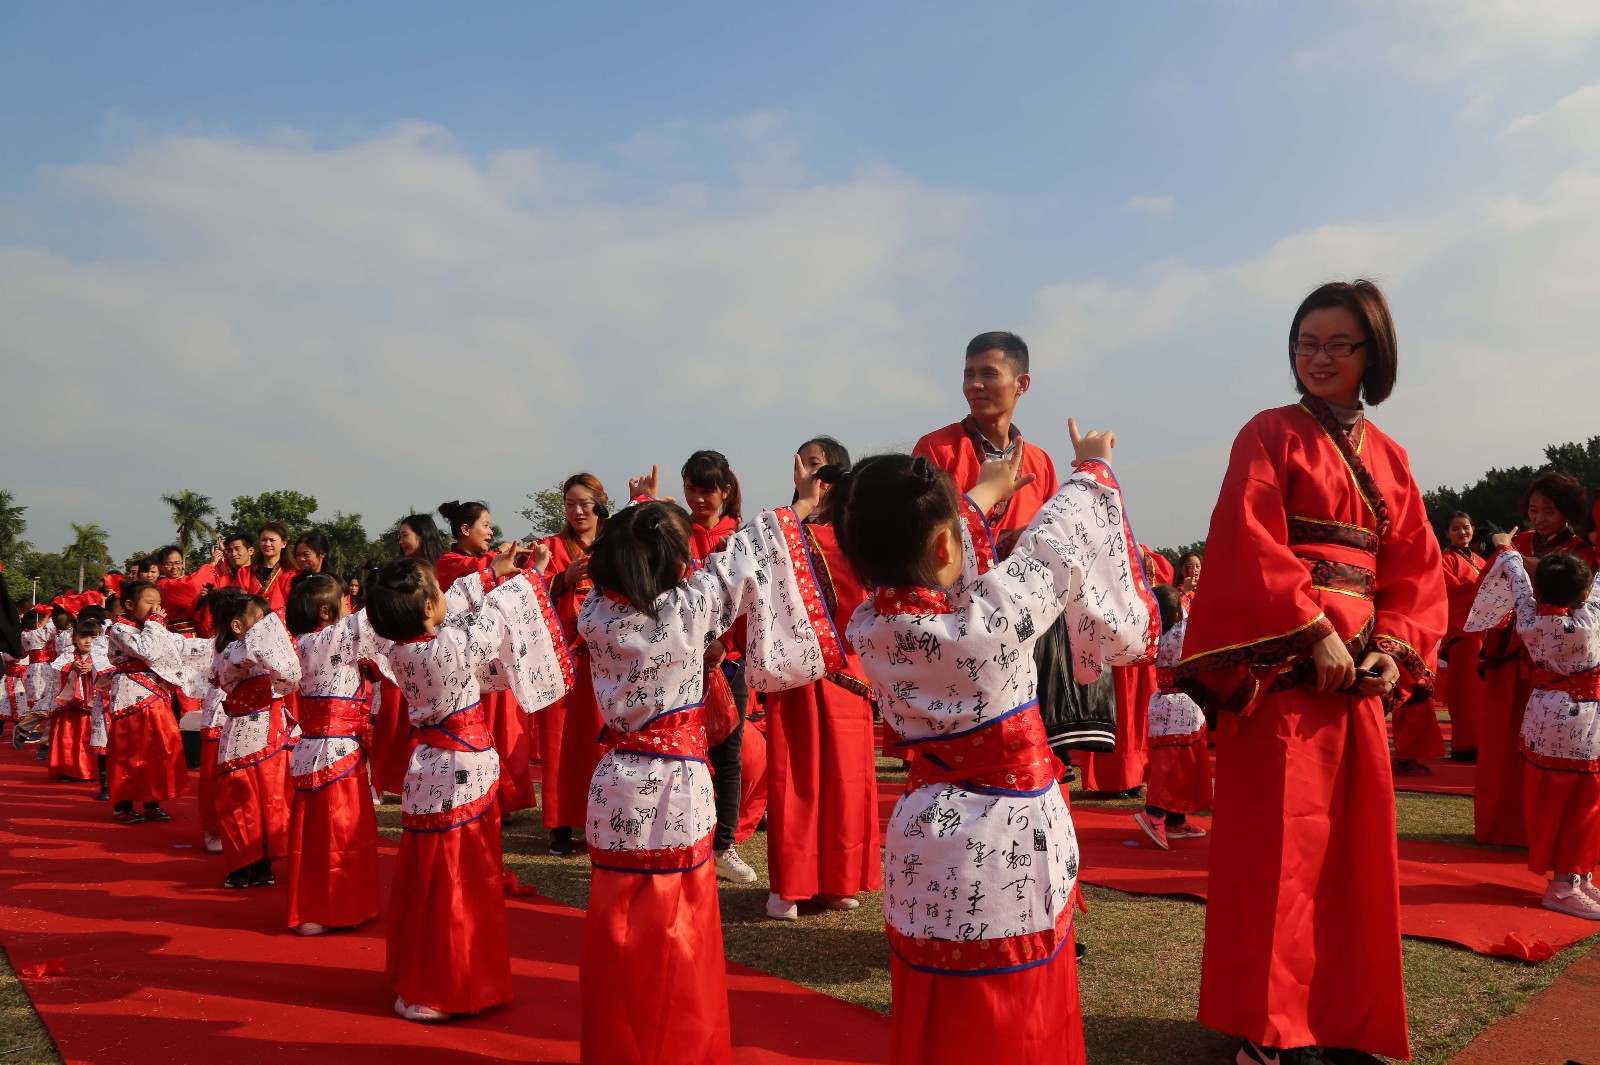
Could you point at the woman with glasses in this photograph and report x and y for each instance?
(1324, 600)
(569, 731)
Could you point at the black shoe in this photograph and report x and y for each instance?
(1252, 1053)
(1469, 756)
(261, 874)
(156, 813)
(127, 817)
(1081, 949)
(239, 878)
(104, 796)
(561, 841)
(1337, 1056)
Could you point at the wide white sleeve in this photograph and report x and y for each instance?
(369, 646)
(272, 651)
(1077, 558)
(1498, 592)
(516, 643)
(764, 575)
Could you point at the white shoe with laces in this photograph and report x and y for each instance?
(782, 909)
(1589, 887)
(732, 867)
(1566, 895)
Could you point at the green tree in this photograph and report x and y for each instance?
(348, 546)
(292, 508)
(189, 513)
(1173, 554)
(12, 526)
(88, 549)
(547, 511)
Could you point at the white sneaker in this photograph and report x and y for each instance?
(1589, 887)
(310, 928)
(213, 843)
(732, 867)
(782, 909)
(838, 902)
(1566, 895)
(419, 1012)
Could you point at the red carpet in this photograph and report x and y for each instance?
(160, 963)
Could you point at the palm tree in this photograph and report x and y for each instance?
(189, 513)
(88, 546)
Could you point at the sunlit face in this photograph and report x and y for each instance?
(704, 503)
(1459, 532)
(307, 559)
(82, 644)
(1336, 380)
(269, 545)
(1543, 515)
(812, 459)
(410, 542)
(1191, 568)
(476, 538)
(239, 554)
(580, 505)
(172, 564)
(149, 602)
(991, 384)
(147, 573)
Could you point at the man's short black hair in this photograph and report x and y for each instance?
(1013, 347)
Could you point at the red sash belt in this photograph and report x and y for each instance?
(681, 734)
(16, 667)
(465, 730)
(334, 716)
(251, 697)
(1582, 687)
(1008, 754)
(38, 655)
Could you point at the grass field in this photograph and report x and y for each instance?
(1140, 981)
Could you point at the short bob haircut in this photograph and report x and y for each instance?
(887, 511)
(308, 596)
(1563, 490)
(397, 598)
(1562, 579)
(1365, 300)
(1013, 347)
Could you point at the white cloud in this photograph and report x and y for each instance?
(1436, 38)
(1572, 123)
(1156, 206)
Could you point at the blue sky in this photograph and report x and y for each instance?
(392, 252)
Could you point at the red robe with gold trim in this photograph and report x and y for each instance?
(1314, 532)
(1462, 687)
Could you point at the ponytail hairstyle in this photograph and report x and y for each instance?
(458, 515)
(309, 594)
(887, 511)
(591, 484)
(318, 543)
(643, 553)
(398, 594)
(710, 470)
(432, 542)
(226, 606)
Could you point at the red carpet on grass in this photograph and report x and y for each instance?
(148, 958)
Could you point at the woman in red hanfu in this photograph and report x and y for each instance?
(1461, 687)
(1552, 504)
(569, 731)
(473, 529)
(392, 734)
(822, 791)
(1322, 601)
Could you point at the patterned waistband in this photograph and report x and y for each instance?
(1582, 687)
(42, 654)
(250, 697)
(465, 730)
(1304, 530)
(1008, 754)
(333, 716)
(1343, 577)
(679, 734)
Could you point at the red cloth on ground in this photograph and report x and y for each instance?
(392, 742)
(753, 779)
(253, 811)
(1563, 821)
(1032, 1016)
(144, 756)
(654, 986)
(822, 825)
(1124, 768)
(1304, 889)
(1179, 777)
(1416, 732)
(333, 854)
(206, 801)
(446, 927)
(69, 745)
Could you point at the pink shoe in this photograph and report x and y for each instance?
(1589, 887)
(1156, 830)
(1566, 895)
(1187, 830)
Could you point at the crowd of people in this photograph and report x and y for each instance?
(966, 608)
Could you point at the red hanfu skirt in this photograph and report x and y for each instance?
(1463, 692)
(569, 750)
(253, 811)
(822, 793)
(69, 745)
(207, 800)
(1303, 914)
(752, 779)
(1123, 768)
(1416, 732)
(1498, 793)
(653, 987)
(1180, 777)
(447, 919)
(144, 756)
(392, 741)
(511, 732)
(1563, 821)
(1031, 1017)
(333, 854)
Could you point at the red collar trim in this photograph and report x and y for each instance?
(1548, 610)
(424, 638)
(891, 601)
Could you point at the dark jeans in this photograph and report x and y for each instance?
(727, 768)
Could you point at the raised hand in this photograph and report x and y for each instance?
(647, 486)
(539, 555)
(505, 561)
(1504, 539)
(1095, 444)
(808, 490)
